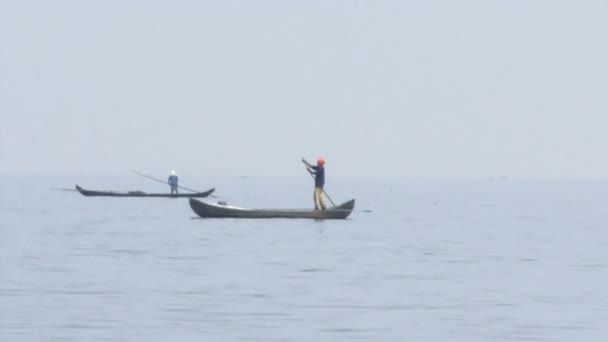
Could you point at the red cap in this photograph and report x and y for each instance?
(320, 161)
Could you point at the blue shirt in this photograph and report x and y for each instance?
(173, 181)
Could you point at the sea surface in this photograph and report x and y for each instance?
(418, 260)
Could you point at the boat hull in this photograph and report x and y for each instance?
(209, 210)
(97, 193)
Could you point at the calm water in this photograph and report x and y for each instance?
(433, 261)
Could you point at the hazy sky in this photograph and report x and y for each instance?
(379, 88)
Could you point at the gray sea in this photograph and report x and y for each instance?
(467, 260)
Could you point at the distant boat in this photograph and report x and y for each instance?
(209, 210)
(97, 193)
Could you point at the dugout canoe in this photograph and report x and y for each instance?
(98, 193)
(211, 210)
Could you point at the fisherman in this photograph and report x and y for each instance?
(173, 182)
(319, 172)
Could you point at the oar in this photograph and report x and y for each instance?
(160, 180)
(313, 177)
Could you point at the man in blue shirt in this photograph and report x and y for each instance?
(173, 182)
(319, 173)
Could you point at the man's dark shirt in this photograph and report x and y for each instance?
(319, 176)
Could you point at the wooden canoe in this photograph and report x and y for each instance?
(97, 193)
(211, 210)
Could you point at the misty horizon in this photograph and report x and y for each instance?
(380, 89)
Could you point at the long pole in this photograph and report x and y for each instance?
(159, 180)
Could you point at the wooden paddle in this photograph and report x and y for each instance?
(313, 177)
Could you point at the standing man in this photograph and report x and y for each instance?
(319, 173)
(173, 182)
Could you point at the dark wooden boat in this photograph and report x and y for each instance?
(208, 210)
(92, 193)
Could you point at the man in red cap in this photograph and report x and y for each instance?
(319, 173)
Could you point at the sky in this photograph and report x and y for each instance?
(415, 89)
